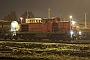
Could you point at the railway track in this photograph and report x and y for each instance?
(51, 41)
(21, 48)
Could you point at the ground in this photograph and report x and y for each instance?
(45, 51)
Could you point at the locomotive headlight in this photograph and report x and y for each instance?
(80, 32)
(14, 26)
(71, 32)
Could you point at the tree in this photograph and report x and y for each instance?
(27, 14)
(11, 16)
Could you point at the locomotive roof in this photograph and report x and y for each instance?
(34, 19)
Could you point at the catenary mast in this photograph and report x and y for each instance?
(49, 12)
(85, 21)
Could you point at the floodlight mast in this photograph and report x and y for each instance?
(49, 10)
(70, 26)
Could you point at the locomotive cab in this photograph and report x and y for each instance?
(55, 27)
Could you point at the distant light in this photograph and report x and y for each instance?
(70, 17)
(73, 22)
(80, 32)
(71, 32)
(21, 18)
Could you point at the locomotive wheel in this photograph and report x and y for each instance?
(39, 39)
(11, 38)
(16, 38)
(5, 38)
(30, 39)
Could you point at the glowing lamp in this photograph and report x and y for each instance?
(14, 26)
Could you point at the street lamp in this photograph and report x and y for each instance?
(71, 26)
(70, 22)
(21, 19)
(70, 17)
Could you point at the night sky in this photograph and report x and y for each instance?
(60, 8)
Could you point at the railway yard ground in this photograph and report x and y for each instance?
(43, 50)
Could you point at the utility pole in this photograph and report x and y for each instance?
(49, 13)
(85, 21)
(71, 32)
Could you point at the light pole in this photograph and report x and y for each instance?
(21, 19)
(71, 32)
(70, 18)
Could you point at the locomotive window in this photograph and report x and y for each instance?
(31, 21)
(24, 28)
(36, 20)
(40, 20)
(45, 21)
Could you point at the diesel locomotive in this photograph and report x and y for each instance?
(46, 28)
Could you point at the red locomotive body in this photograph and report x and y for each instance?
(31, 27)
(48, 28)
(47, 25)
(64, 26)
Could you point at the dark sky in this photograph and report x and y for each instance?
(63, 8)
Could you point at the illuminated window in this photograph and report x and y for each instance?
(36, 20)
